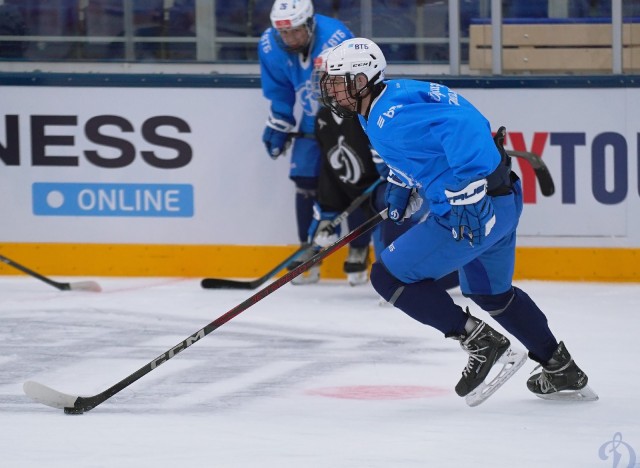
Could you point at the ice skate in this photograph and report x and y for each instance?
(486, 347)
(312, 275)
(561, 379)
(356, 266)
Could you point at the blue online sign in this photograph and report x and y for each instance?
(130, 200)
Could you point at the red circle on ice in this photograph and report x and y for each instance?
(379, 392)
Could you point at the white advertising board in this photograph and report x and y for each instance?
(187, 166)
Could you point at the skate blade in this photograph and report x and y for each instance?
(584, 394)
(308, 277)
(356, 279)
(511, 361)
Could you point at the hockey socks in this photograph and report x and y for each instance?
(423, 301)
(449, 281)
(426, 302)
(521, 317)
(304, 211)
(356, 219)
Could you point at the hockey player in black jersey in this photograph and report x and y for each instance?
(347, 170)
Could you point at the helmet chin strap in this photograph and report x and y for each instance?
(375, 91)
(359, 107)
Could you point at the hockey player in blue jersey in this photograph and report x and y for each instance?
(349, 167)
(286, 52)
(434, 140)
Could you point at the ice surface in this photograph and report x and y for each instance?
(311, 376)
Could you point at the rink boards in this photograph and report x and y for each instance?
(232, 261)
(171, 178)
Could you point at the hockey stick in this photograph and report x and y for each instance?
(219, 283)
(78, 286)
(74, 404)
(540, 169)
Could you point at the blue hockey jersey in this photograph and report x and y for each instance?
(431, 137)
(286, 80)
(286, 76)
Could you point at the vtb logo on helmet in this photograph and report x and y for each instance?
(353, 53)
(354, 70)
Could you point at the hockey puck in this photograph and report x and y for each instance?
(71, 410)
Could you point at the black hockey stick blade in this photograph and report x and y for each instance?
(76, 286)
(219, 283)
(547, 187)
(75, 404)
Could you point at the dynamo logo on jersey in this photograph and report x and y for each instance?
(308, 99)
(120, 200)
(342, 156)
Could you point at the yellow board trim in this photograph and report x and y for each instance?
(232, 261)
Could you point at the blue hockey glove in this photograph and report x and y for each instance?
(402, 201)
(472, 216)
(276, 136)
(320, 231)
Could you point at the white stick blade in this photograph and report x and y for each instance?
(85, 286)
(48, 396)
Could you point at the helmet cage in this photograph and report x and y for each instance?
(346, 92)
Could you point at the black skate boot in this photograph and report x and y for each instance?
(486, 347)
(356, 266)
(561, 379)
(312, 275)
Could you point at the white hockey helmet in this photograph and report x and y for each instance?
(289, 14)
(354, 71)
(355, 56)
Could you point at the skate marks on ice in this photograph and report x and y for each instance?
(84, 352)
(289, 379)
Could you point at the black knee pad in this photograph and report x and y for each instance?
(493, 303)
(384, 282)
